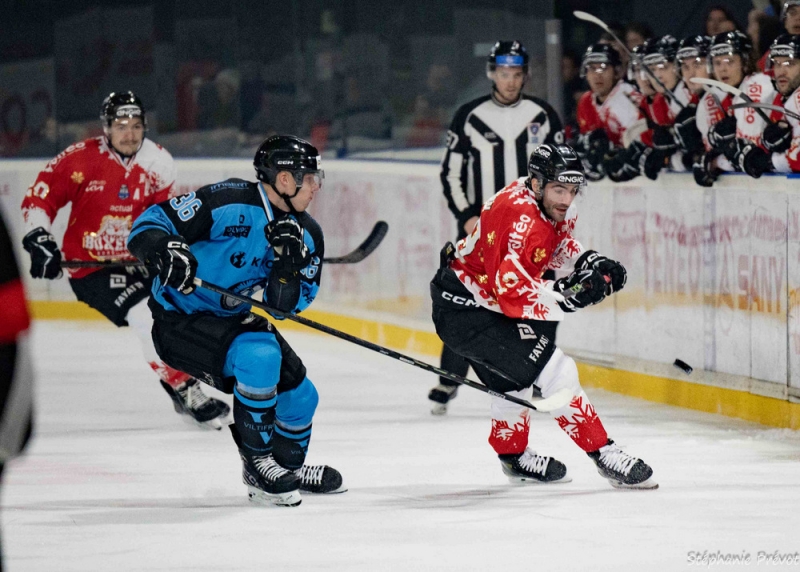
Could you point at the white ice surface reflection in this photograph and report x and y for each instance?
(114, 480)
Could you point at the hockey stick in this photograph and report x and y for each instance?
(734, 91)
(586, 17)
(759, 105)
(360, 253)
(555, 401)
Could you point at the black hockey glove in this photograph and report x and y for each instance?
(628, 163)
(285, 235)
(615, 271)
(580, 289)
(752, 159)
(704, 173)
(686, 133)
(593, 146)
(45, 255)
(777, 137)
(722, 136)
(664, 140)
(177, 266)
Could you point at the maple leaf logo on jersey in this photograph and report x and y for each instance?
(109, 240)
(77, 177)
(539, 255)
(491, 237)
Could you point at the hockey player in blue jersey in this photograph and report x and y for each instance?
(245, 237)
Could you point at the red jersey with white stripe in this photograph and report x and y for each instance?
(615, 115)
(502, 261)
(107, 194)
(788, 162)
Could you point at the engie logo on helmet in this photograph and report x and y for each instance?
(128, 110)
(543, 151)
(571, 179)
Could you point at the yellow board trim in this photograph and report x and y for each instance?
(706, 398)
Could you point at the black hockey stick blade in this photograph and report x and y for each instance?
(365, 248)
(100, 263)
(561, 398)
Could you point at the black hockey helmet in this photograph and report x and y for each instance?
(637, 55)
(784, 46)
(507, 53)
(549, 163)
(731, 43)
(786, 5)
(122, 104)
(660, 50)
(287, 153)
(693, 47)
(600, 54)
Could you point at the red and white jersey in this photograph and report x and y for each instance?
(663, 110)
(713, 107)
(106, 192)
(616, 114)
(788, 162)
(749, 123)
(502, 261)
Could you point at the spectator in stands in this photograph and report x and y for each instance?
(218, 101)
(719, 19)
(790, 16)
(636, 34)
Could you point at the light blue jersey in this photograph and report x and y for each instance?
(224, 225)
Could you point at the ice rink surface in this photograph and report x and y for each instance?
(115, 481)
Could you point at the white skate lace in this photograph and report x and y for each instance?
(616, 459)
(533, 463)
(311, 474)
(268, 468)
(195, 398)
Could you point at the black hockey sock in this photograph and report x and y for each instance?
(255, 423)
(289, 446)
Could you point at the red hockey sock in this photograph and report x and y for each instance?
(580, 421)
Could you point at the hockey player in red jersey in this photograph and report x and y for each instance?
(606, 111)
(493, 306)
(692, 62)
(110, 180)
(660, 57)
(780, 141)
(733, 63)
(487, 145)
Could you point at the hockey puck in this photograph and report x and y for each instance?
(682, 365)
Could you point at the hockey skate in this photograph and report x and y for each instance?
(441, 395)
(530, 468)
(320, 479)
(189, 399)
(268, 483)
(622, 470)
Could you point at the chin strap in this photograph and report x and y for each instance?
(287, 198)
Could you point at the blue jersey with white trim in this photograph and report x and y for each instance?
(224, 225)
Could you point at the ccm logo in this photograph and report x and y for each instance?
(460, 300)
(176, 244)
(576, 179)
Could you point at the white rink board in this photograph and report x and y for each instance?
(711, 271)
